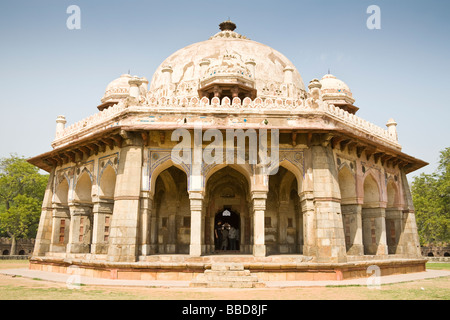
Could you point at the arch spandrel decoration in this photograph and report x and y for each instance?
(104, 162)
(66, 173)
(245, 169)
(85, 168)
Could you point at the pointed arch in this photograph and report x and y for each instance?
(160, 168)
(392, 194)
(284, 216)
(107, 182)
(291, 168)
(83, 187)
(170, 231)
(347, 185)
(245, 170)
(371, 191)
(62, 191)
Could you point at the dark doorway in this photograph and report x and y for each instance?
(232, 218)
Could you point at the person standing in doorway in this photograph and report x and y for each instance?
(218, 236)
(232, 235)
(224, 245)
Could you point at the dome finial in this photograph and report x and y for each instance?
(227, 25)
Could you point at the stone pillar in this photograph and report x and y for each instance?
(146, 223)
(235, 92)
(153, 248)
(196, 199)
(394, 219)
(392, 128)
(352, 221)
(330, 242)
(288, 75)
(259, 208)
(167, 74)
(60, 124)
(282, 227)
(251, 65)
(135, 84)
(409, 237)
(171, 245)
(124, 226)
(204, 64)
(80, 233)
(102, 214)
(374, 231)
(44, 234)
(60, 213)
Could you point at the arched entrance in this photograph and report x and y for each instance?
(228, 189)
(227, 217)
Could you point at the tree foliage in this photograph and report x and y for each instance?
(22, 189)
(431, 196)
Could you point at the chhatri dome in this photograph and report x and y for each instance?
(119, 89)
(228, 62)
(337, 92)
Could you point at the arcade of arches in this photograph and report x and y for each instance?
(352, 211)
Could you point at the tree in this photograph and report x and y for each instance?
(431, 196)
(22, 189)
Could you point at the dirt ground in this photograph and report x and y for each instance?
(19, 288)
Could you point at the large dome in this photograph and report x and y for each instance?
(227, 55)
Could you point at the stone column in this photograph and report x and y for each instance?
(259, 208)
(309, 226)
(330, 242)
(60, 125)
(374, 231)
(44, 234)
(125, 222)
(282, 227)
(154, 227)
(409, 237)
(60, 212)
(146, 223)
(102, 211)
(135, 84)
(394, 219)
(352, 221)
(171, 245)
(196, 199)
(80, 233)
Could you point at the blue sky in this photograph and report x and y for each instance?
(401, 71)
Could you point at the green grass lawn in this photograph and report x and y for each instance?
(20, 288)
(438, 266)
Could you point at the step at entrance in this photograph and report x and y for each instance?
(227, 276)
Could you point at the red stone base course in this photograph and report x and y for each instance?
(187, 269)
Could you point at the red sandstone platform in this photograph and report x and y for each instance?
(271, 268)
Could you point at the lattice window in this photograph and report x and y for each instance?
(392, 231)
(107, 225)
(62, 229)
(81, 234)
(373, 231)
(347, 229)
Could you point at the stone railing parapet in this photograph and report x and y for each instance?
(216, 105)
